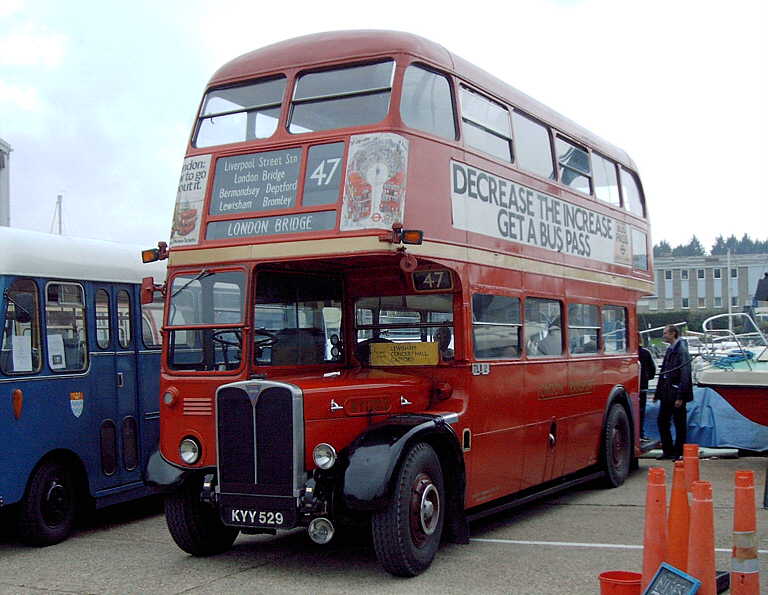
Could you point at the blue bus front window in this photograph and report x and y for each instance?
(20, 341)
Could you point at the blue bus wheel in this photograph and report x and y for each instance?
(49, 505)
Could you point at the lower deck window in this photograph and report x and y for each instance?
(496, 326)
(543, 327)
(405, 319)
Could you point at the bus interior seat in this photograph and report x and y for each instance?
(298, 346)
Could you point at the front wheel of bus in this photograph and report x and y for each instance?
(406, 534)
(195, 525)
(48, 510)
(617, 446)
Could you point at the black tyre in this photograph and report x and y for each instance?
(406, 534)
(616, 450)
(195, 525)
(49, 508)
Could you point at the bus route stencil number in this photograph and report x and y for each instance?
(432, 280)
(322, 180)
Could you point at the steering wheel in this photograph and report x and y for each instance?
(270, 337)
(218, 337)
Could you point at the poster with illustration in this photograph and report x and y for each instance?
(185, 230)
(374, 188)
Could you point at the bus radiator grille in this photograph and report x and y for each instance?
(255, 441)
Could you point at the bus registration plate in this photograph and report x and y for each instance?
(250, 517)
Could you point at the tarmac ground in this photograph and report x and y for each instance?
(558, 545)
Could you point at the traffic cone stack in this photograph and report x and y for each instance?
(745, 577)
(701, 543)
(678, 520)
(691, 460)
(655, 537)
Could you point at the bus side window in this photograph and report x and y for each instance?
(103, 326)
(123, 319)
(496, 326)
(20, 341)
(615, 329)
(426, 103)
(583, 329)
(65, 327)
(543, 333)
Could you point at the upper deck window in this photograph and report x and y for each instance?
(606, 182)
(239, 114)
(574, 166)
(631, 191)
(426, 103)
(486, 124)
(533, 146)
(350, 96)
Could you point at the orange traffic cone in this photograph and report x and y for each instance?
(655, 537)
(691, 459)
(678, 520)
(745, 576)
(701, 543)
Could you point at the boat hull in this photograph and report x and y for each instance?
(750, 401)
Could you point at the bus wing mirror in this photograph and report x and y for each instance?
(148, 289)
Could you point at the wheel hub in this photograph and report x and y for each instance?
(55, 503)
(424, 509)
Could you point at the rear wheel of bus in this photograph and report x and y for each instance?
(406, 534)
(616, 450)
(195, 525)
(50, 504)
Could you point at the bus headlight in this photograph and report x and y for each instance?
(324, 455)
(189, 450)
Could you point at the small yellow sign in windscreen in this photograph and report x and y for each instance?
(404, 354)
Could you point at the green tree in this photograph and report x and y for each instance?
(662, 248)
(718, 247)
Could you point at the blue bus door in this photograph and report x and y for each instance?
(114, 366)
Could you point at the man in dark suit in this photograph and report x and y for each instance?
(674, 390)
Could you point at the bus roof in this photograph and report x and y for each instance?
(334, 46)
(36, 254)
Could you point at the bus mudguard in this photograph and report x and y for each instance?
(162, 475)
(373, 457)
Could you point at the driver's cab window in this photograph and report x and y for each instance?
(205, 320)
(423, 320)
(20, 341)
(296, 319)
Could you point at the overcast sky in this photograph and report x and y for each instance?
(97, 98)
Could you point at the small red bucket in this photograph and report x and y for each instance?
(620, 582)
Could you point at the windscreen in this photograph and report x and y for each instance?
(296, 319)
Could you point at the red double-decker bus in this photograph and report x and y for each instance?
(400, 292)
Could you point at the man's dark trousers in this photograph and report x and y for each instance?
(668, 413)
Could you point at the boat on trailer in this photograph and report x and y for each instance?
(740, 374)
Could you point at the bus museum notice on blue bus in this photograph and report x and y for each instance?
(488, 204)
